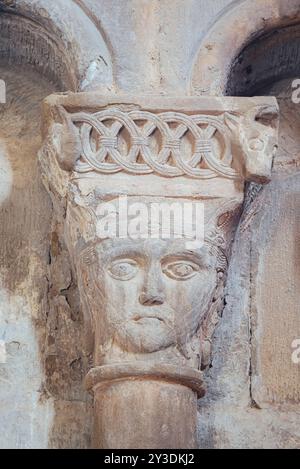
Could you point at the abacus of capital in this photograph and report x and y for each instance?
(151, 305)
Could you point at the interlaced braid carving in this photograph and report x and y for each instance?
(170, 144)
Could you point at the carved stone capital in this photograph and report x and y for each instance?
(151, 304)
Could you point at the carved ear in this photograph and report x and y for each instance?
(223, 216)
(223, 220)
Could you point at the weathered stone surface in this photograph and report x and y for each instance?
(72, 425)
(233, 427)
(25, 213)
(275, 272)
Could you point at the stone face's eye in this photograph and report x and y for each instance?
(124, 269)
(180, 270)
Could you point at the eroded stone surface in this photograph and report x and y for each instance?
(26, 418)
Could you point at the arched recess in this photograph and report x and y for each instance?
(242, 23)
(253, 48)
(57, 39)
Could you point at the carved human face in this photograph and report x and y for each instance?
(148, 295)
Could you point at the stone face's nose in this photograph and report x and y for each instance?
(151, 299)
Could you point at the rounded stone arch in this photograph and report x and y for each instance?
(266, 30)
(57, 39)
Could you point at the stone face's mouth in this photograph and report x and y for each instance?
(163, 316)
(146, 318)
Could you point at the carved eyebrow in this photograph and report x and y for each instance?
(193, 256)
(122, 252)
